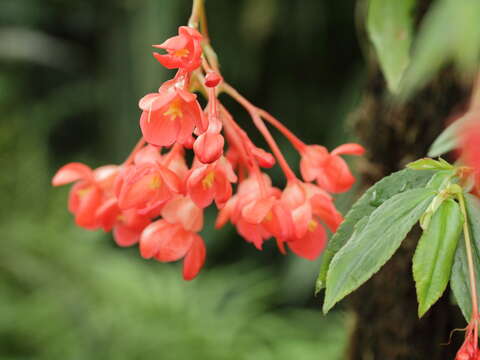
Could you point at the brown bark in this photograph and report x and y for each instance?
(387, 325)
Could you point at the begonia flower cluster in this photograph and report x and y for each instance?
(469, 349)
(156, 198)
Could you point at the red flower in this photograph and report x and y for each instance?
(146, 187)
(309, 206)
(257, 213)
(90, 190)
(127, 226)
(212, 181)
(329, 170)
(170, 116)
(208, 147)
(174, 237)
(183, 51)
(469, 349)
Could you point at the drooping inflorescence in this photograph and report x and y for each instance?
(156, 198)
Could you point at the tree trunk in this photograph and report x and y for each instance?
(387, 325)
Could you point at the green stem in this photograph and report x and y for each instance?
(197, 13)
(471, 268)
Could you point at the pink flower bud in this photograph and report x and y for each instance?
(212, 79)
(208, 147)
(265, 159)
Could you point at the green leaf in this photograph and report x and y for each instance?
(448, 32)
(374, 197)
(459, 281)
(366, 252)
(441, 179)
(448, 139)
(429, 164)
(433, 259)
(389, 26)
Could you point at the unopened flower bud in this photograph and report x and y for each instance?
(265, 159)
(208, 147)
(212, 79)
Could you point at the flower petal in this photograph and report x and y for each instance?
(349, 149)
(183, 210)
(195, 258)
(107, 214)
(125, 236)
(336, 176)
(72, 172)
(311, 245)
(89, 200)
(302, 215)
(256, 211)
(151, 237)
(175, 246)
(157, 129)
(201, 195)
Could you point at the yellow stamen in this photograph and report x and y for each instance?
(81, 193)
(181, 52)
(208, 180)
(155, 183)
(269, 217)
(312, 225)
(174, 110)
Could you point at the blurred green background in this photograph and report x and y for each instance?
(71, 74)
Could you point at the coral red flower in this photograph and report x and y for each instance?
(329, 170)
(156, 200)
(257, 213)
(208, 147)
(264, 158)
(211, 182)
(182, 210)
(90, 190)
(309, 206)
(469, 349)
(272, 215)
(148, 154)
(170, 116)
(146, 186)
(127, 226)
(183, 51)
(174, 237)
(312, 243)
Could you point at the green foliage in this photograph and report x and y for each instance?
(368, 250)
(389, 25)
(383, 190)
(449, 32)
(441, 179)
(371, 233)
(65, 292)
(448, 139)
(459, 281)
(433, 259)
(430, 164)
